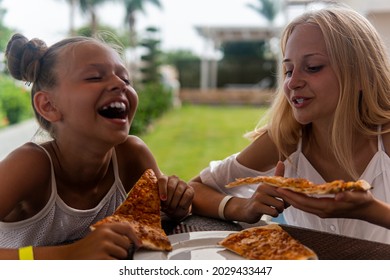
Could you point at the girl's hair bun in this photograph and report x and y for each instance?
(24, 57)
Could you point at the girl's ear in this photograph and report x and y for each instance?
(45, 106)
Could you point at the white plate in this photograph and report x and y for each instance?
(201, 245)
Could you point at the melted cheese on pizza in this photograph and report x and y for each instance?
(269, 242)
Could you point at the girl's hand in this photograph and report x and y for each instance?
(343, 205)
(176, 196)
(266, 200)
(107, 242)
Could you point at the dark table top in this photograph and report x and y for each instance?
(327, 246)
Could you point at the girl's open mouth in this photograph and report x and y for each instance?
(114, 110)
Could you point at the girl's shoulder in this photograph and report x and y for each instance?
(262, 154)
(134, 145)
(25, 178)
(29, 155)
(29, 160)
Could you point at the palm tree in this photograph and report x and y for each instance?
(267, 8)
(89, 7)
(132, 7)
(5, 32)
(72, 8)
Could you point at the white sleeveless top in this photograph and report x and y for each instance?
(377, 173)
(57, 223)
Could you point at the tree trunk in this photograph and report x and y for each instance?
(72, 7)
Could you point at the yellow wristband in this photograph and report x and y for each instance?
(26, 253)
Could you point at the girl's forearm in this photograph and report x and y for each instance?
(379, 214)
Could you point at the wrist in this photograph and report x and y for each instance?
(222, 206)
(53, 252)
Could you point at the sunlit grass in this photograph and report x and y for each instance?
(185, 140)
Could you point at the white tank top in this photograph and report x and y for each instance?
(57, 223)
(377, 173)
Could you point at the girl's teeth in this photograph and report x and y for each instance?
(299, 100)
(115, 105)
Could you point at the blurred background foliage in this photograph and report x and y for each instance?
(244, 63)
(15, 105)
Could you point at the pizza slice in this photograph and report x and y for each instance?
(141, 210)
(143, 197)
(269, 242)
(303, 185)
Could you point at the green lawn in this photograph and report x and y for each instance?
(184, 140)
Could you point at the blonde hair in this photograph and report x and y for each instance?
(359, 59)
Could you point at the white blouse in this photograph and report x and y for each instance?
(377, 173)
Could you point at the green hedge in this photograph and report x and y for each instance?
(15, 104)
(3, 119)
(154, 100)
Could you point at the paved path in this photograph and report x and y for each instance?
(16, 135)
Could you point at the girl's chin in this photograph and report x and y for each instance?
(302, 121)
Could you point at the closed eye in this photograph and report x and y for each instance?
(93, 78)
(127, 81)
(315, 69)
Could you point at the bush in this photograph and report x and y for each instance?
(154, 100)
(14, 102)
(3, 119)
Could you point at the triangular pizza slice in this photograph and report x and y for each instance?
(141, 210)
(143, 197)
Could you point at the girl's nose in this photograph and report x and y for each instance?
(295, 81)
(117, 83)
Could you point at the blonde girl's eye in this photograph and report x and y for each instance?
(314, 69)
(288, 69)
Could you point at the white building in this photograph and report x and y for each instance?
(377, 11)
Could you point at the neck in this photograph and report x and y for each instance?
(319, 139)
(79, 169)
